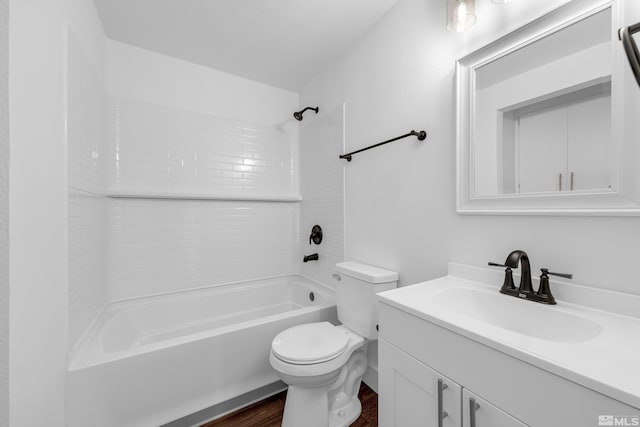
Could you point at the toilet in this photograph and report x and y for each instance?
(323, 364)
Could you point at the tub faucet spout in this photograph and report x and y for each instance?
(312, 257)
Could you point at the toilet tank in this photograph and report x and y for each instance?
(356, 291)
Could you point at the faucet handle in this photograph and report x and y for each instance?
(316, 235)
(508, 287)
(565, 275)
(544, 291)
(495, 264)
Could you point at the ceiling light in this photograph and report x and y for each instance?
(461, 15)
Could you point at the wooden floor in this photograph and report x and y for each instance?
(268, 412)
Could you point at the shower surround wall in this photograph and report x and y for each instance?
(162, 149)
(87, 206)
(178, 131)
(322, 190)
(189, 133)
(160, 246)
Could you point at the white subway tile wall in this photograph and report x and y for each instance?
(156, 148)
(159, 246)
(87, 208)
(87, 225)
(322, 189)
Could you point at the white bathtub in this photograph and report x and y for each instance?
(149, 361)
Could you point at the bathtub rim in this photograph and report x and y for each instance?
(74, 358)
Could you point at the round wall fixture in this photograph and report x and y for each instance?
(316, 235)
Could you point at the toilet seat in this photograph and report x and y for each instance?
(310, 343)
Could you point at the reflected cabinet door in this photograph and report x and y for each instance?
(565, 148)
(412, 394)
(588, 144)
(541, 150)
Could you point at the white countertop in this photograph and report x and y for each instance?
(608, 362)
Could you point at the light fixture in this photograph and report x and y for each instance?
(501, 1)
(461, 15)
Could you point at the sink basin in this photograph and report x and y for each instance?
(590, 337)
(523, 317)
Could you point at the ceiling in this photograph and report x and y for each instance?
(277, 42)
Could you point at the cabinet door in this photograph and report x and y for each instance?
(589, 141)
(413, 395)
(542, 150)
(477, 412)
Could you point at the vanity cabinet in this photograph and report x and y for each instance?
(415, 395)
(415, 353)
(412, 394)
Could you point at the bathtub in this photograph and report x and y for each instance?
(149, 361)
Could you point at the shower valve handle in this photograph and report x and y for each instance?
(316, 235)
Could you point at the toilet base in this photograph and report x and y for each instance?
(335, 404)
(306, 405)
(345, 416)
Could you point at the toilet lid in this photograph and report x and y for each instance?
(310, 343)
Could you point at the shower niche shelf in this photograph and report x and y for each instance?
(129, 194)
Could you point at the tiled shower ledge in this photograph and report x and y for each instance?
(128, 194)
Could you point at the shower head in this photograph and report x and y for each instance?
(298, 114)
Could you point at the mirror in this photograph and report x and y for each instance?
(537, 117)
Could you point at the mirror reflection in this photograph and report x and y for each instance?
(541, 114)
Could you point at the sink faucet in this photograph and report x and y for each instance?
(512, 261)
(525, 290)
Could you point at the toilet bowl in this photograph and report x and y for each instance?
(316, 360)
(323, 364)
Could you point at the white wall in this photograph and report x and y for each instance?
(4, 214)
(180, 128)
(400, 199)
(38, 202)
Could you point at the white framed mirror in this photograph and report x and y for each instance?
(547, 118)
